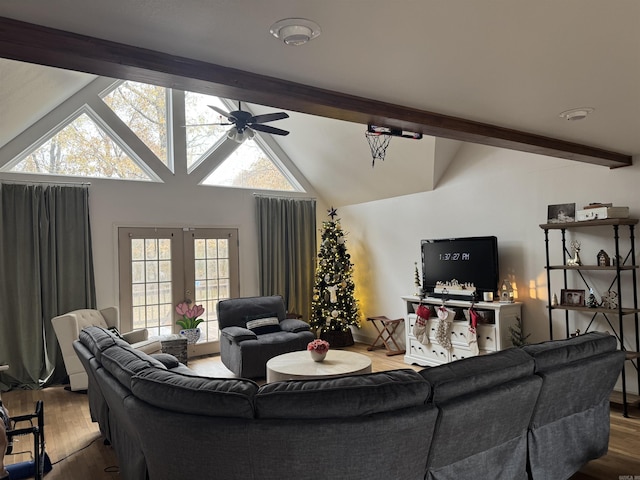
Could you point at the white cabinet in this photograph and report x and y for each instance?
(492, 333)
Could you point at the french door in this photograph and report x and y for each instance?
(161, 267)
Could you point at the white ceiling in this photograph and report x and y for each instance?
(511, 63)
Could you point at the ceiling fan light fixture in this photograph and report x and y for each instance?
(295, 31)
(576, 113)
(239, 137)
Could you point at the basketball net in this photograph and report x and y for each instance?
(378, 143)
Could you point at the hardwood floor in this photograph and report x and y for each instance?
(75, 446)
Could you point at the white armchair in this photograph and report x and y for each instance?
(68, 327)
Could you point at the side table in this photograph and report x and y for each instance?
(176, 345)
(386, 329)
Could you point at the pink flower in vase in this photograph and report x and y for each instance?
(319, 346)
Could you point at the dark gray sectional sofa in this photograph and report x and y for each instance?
(540, 412)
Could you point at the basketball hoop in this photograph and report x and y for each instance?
(378, 143)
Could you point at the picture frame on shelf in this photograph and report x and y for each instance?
(561, 213)
(572, 298)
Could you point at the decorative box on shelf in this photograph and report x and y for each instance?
(601, 212)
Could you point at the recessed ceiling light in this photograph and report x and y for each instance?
(295, 31)
(576, 113)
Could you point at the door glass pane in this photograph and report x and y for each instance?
(211, 268)
(151, 287)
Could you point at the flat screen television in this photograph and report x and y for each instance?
(466, 260)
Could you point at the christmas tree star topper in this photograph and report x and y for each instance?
(332, 212)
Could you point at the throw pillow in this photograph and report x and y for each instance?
(264, 323)
(114, 331)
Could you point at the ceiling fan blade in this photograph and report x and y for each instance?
(268, 129)
(207, 124)
(268, 117)
(222, 112)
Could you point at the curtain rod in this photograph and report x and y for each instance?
(81, 184)
(283, 196)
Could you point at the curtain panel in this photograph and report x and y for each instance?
(46, 269)
(287, 250)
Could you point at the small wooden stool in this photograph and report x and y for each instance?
(386, 328)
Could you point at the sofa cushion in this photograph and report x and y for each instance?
(233, 311)
(124, 362)
(98, 339)
(263, 323)
(350, 396)
(178, 392)
(559, 352)
(471, 374)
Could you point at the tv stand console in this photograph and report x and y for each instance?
(493, 332)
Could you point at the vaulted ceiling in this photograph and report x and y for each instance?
(497, 72)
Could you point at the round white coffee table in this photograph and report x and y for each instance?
(299, 366)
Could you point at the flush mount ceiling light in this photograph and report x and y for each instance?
(576, 113)
(295, 31)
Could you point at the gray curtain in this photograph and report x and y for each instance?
(46, 269)
(287, 250)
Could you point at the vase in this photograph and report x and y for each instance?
(192, 334)
(317, 356)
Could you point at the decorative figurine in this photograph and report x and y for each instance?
(416, 281)
(591, 299)
(506, 292)
(554, 300)
(610, 300)
(603, 259)
(575, 261)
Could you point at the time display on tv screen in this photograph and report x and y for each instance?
(472, 260)
(454, 256)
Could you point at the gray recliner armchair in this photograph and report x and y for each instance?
(255, 329)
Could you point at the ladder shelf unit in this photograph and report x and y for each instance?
(624, 267)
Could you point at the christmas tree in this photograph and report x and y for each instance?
(334, 307)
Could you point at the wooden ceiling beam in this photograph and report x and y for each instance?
(46, 46)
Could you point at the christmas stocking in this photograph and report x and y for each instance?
(420, 328)
(443, 330)
(472, 336)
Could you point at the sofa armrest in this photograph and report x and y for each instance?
(294, 325)
(238, 334)
(135, 336)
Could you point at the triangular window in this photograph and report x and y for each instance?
(250, 167)
(81, 149)
(143, 108)
(200, 125)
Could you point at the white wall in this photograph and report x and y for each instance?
(488, 191)
(114, 204)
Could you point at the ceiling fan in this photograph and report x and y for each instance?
(244, 123)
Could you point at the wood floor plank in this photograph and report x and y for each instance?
(75, 446)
